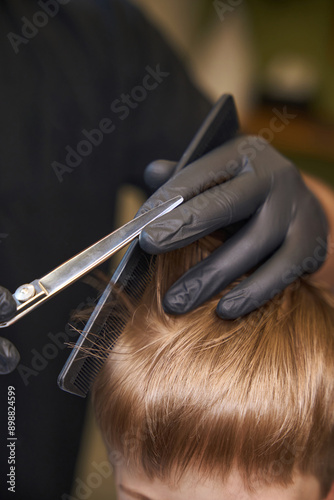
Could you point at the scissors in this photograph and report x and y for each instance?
(32, 295)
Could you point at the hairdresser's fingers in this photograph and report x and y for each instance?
(9, 356)
(214, 168)
(239, 254)
(266, 282)
(7, 304)
(158, 172)
(218, 207)
(302, 252)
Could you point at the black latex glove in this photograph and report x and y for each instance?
(9, 355)
(285, 229)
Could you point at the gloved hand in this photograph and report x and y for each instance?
(285, 229)
(9, 355)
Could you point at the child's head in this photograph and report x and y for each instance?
(196, 407)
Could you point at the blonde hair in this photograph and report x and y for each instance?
(194, 392)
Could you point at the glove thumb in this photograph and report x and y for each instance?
(158, 172)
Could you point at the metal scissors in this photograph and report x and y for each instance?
(32, 295)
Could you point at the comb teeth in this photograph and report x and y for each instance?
(89, 370)
(93, 363)
(102, 330)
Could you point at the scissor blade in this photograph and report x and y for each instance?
(87, 260)
(82, 263)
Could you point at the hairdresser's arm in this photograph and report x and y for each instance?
(326, 197)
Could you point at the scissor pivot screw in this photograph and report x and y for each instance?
(24, 292)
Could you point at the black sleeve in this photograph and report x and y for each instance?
(147, 93)
(162, 108)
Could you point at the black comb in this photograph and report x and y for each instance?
(135, 269)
